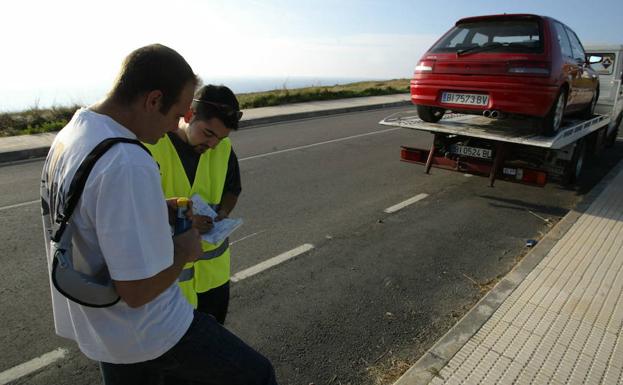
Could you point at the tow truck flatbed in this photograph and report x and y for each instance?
(510, 131)
(503, 148)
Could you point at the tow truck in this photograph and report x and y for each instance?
(511, 149)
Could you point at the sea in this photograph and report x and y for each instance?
(83, 95)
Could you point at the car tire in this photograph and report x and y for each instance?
(430, 114)
(553, 120)
(589, 111)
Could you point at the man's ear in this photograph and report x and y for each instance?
(153, 100)
(188, 115)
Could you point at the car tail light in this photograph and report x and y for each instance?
(529, 68)
(425, 66)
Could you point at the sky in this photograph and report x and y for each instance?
(68, 48)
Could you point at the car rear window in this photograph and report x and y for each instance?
(523, 36)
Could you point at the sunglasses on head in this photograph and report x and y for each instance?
(224, 109)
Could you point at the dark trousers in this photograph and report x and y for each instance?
(207, 354)
(215, 302)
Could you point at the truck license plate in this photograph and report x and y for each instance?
(473, 152)
(465, 99)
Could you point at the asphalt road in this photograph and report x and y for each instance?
(376, 290)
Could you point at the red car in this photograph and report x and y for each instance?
(505, 66)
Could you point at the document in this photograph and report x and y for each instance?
(222, 229)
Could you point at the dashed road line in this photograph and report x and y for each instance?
(247, 237)
(320, 143)
(19, 205)
(31, 366)
(404, 204)
(274, 261)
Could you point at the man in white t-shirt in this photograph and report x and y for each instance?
(121, 223)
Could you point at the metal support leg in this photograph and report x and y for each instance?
(500, 153)
(429, 160)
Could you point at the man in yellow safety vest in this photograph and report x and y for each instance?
(198, 158)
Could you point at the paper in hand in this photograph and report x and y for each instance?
(222, 229)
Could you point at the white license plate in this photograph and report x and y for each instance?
(465, 99)
(474, 152)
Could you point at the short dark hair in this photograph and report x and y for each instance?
(149, 68)
(212, 101)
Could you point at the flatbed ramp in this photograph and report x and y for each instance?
(501, 130)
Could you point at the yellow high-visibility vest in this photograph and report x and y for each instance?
(213, 268)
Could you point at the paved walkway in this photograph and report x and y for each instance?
(15, 148)
(562, 324)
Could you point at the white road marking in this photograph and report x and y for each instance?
(406, 203)
(320, 143)
(32, 366)
(19, 205)
(251, 271)
(468, 175)
(246, 237)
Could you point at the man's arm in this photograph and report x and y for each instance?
(228, 202)
(232, 187)
(134, 233)
(137, 293)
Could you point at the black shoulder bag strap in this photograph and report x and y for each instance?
(80, 178)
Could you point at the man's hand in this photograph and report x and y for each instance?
(172, 206)
(222, 214)
(203, 223)
(187, 245)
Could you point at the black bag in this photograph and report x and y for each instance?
(87, 290)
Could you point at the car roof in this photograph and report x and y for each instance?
(503, 16)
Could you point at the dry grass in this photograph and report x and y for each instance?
(387, 371)
(37, 120)
(351, 90)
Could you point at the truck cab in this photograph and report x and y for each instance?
(607, 60)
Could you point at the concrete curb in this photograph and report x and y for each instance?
(31, 153)
(40, 150)
(314, 114)
(425, 369)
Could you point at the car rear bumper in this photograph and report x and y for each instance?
(511, 98)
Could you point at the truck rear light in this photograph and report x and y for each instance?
(412, 155)
(522, 67)
(425, 66)
(538, 178)
(526, 175)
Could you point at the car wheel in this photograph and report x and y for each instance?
(553, 119)
(430, 114)
(589, 111)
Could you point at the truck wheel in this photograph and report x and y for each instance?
(553, 120)
(430, 114)
(612, 139)
(589, 111)
(574, 168)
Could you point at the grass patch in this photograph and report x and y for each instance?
(38, 120)
(35, 120)
(307, 94)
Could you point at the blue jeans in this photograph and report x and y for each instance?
(207, 354)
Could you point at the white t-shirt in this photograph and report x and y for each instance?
(120, 221)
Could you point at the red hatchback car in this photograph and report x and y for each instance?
(505, 66)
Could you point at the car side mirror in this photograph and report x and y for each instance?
(594, 59)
